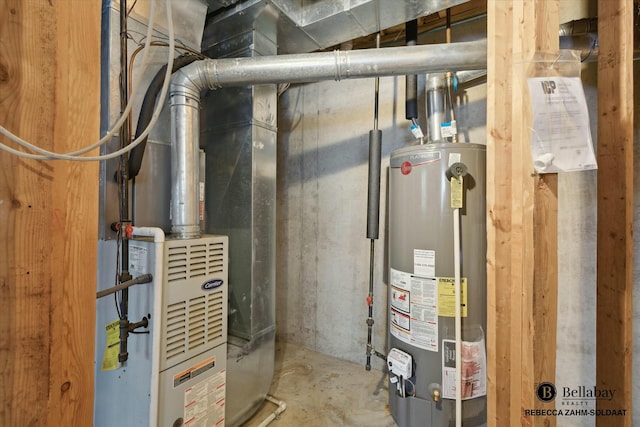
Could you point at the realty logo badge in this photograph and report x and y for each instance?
(577, 401)
(546, 392)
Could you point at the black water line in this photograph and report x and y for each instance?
(373, 225)
(145, 278)
(373, 209)
(124, 223)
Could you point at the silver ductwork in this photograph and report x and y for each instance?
(185, 161)
(210, 74)
(308, 25)
(336, 65)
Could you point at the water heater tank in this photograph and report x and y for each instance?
(421, 278)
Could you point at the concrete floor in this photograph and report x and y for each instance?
(321, 391)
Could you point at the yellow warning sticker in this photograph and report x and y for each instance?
(112, 348)
(456, 193)
(447, 297)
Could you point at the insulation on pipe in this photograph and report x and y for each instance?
(411, 80)
(373, 195)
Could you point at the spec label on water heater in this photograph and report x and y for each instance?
(424, 262)
(414, 309)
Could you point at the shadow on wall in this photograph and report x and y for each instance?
(322, 249)
(340, 155)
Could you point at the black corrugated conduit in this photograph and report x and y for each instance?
(146, 110)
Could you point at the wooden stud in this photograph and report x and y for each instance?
(543, 300)
(49, 95)
(615, 208)
(522, 218)
(499, 190)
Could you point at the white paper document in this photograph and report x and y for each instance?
(474, 369)
(560, 134)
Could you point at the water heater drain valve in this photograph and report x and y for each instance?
(400, 363)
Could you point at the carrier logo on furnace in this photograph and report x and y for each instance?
(212, 284)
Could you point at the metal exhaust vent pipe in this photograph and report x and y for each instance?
(210, 74)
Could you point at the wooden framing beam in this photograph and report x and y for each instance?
(49, 95)
(521, 219)
(615, 208)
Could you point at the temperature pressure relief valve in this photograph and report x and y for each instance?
(457, 170)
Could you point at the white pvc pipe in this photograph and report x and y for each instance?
(458, 321)
(282, 406)
(158, 239)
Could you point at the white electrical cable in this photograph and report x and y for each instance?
(110, 133)
(48, 155)
(458, 321)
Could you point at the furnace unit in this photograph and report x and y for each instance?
(175, 374)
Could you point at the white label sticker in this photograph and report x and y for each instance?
(400, 299)
(454, 158)
(414, 310)
(474, 369)
(138, 259)
(424, 262)
(204, 402)
(449, 129)
(400, 279)
(401, 320)
(201, 203)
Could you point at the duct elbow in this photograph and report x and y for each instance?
(190, 80)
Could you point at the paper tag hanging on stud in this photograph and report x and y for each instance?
(456, 192)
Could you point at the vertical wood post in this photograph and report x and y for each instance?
(49, 95)
(615, 208)
(521, 219)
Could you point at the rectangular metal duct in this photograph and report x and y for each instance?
(219, 4)
(308, 25)
(238, 133)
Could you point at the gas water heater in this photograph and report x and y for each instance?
(422, 353)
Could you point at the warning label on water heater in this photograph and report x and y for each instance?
(414, 310)
(474, 369)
